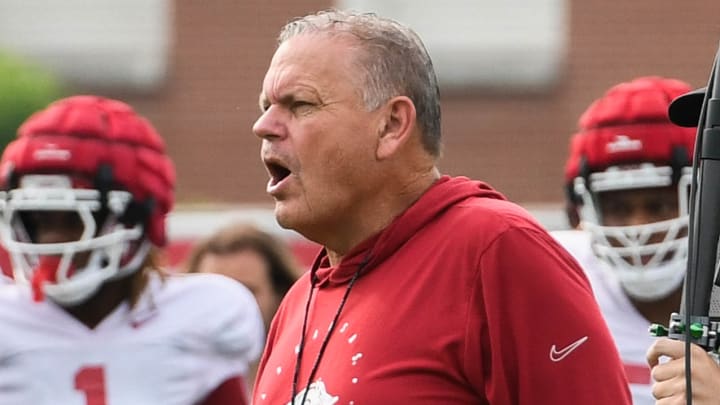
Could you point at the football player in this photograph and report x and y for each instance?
(628, 174)
(92, 320)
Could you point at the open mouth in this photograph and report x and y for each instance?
(277, 172)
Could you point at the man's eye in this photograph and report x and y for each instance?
(302, 107)
(616, 210)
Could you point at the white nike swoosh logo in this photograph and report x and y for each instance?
(557, 355)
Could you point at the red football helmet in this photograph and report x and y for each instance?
(626, 141)
(97, 158)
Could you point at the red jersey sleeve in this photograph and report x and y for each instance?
(538, 335)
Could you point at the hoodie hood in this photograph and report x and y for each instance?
(443, 194)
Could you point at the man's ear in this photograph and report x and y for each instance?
(396, 126)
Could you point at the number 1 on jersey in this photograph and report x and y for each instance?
(90, 380)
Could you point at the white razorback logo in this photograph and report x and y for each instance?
(623, 143)
(316, 395)
(51, 151)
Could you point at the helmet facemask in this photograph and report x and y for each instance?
(70, 271)
(101, 166)
(648, 259)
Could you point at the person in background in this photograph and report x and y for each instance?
(260, 261)
(670, 383)
(430, 289)
(92, 319)
(628, 173)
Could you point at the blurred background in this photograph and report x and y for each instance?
(515, 76)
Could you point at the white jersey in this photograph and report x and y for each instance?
(186, 335)
(627, 326)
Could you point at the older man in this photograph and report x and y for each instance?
(429, 289)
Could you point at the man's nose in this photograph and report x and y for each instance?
(54, 234)
(56, 227)
(640, 217)
(270, 124)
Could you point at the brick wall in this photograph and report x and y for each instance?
(517, 143)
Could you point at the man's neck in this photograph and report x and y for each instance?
(659, 311)
(102, 303)
(382, 210)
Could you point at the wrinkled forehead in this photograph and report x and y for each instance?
(316, 60)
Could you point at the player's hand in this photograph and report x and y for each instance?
(669, 386)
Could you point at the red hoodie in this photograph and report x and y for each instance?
(462, 299)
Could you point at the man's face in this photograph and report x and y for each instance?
(318, 139)
(54, 226)
(640, 207)
(250, 269)
(57, 227)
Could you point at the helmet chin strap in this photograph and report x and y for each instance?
(647, 287)
(77, 290)
(45, 271)
(83, 283)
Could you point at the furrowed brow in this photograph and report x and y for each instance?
(286, 99)
(263, 102)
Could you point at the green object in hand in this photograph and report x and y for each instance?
(658, 330)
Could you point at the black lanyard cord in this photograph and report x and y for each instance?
(326, 340)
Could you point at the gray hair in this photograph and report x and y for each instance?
(395, 63)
